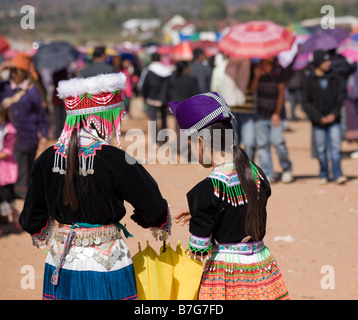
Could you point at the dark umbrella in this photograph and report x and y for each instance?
(324, 39)
(55, 56)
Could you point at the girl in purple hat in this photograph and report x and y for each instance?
(227, 210)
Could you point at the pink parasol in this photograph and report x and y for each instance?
(256, 39)
(349, 48)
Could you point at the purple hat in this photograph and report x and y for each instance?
(199, 111)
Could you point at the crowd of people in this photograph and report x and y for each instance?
(255, 90)
(242, 94)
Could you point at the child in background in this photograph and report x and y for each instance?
(8, 169)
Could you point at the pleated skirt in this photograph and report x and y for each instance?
(231, 275)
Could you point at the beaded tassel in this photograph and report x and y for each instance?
(234, 195)
(59, 164)
(232, 191)
(85, 165)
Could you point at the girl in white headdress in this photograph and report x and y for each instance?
(82, 183)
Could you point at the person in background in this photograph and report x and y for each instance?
(294, 91)
(200, 70)
(117, 63)
(231, 77)
(124, 65)
(352, 111)
(98, 64)
(270, 89)
(322, 101)
(344, 69)
(182, 85)
(8, 170)
(294, 82)
(58, 105)
(28, 116)
(154, 85)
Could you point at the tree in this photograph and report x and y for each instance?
(214, 10)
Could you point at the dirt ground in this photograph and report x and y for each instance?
(311, 228)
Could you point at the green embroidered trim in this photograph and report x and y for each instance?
(201, 250)
(231, 187)
(109, 115)
(199, 246)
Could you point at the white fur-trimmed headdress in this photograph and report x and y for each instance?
(93, 85)
(90, 102)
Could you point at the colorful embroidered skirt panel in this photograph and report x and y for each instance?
(97, 271)
(231, 276)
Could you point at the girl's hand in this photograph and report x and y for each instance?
(183, 217)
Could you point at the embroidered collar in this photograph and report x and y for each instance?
(229, 180)
(229, 187)
(90, 142)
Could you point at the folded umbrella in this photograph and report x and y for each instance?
(187, 275)
(154, 278)
(171, 275)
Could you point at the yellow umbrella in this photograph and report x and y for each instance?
(187, 275)
(154, 278)
(171, 275)
(169, 257)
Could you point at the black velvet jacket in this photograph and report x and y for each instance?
(101, 195)
(215, 219)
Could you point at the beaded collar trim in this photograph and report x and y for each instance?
(228, 186)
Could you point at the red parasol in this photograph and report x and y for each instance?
(210, 47)
(3, 44)
(182, 51)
